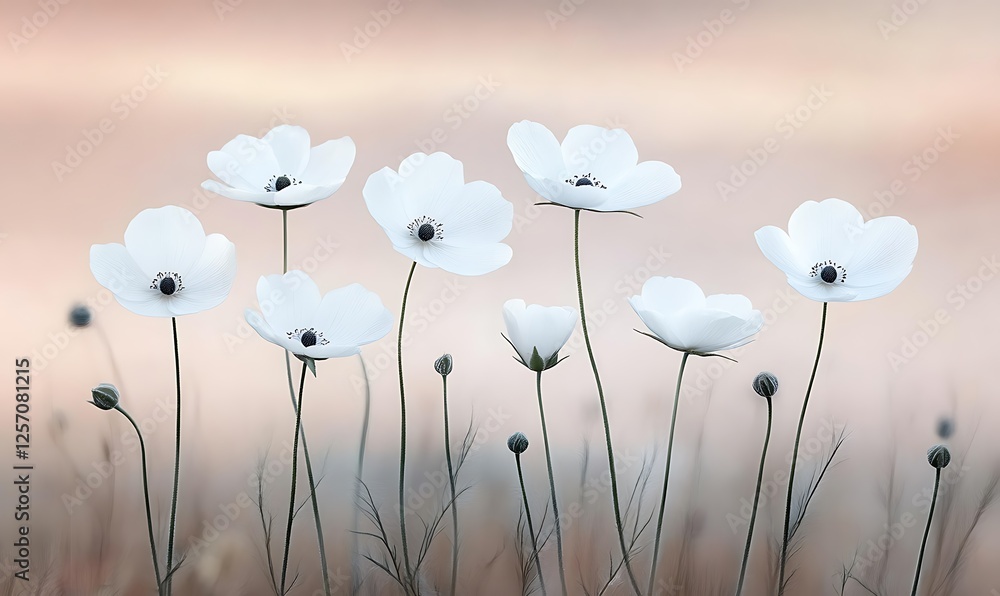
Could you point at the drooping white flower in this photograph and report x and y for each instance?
(279, 170)
(593, 168)
(297, 318)
(167, 266)
(830, 254)
(434, 218)
(682, 317)
(538, 332)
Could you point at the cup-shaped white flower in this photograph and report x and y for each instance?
(280, 170)
(593, 168)
(434, 218)
(297, 318)
(167, 266)
(683, 318)
(538, 332)
(830, 254)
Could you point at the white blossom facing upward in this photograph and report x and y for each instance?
(679, 314)
(167, 266)
(297, 318)
(830, 254)
(435, 218)
(538, 332)
(593, 168)
(280, 170)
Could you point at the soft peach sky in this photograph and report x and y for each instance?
(886, 99)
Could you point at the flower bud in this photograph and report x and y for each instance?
(80, 316)
(518, 443)
(938, 457)
(945, 428)
(443, 365)
(105, 396)
(765, 384)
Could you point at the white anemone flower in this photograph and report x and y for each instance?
(537, 332)
(297, 318)
(594, 168)
(279, 170)
(830, 254)
(682, 317)
(432, 216)
(167, 266)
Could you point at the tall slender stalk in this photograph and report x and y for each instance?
(451, 481)
(927, 530)
(295, 464)
(402, 429)
(604, 407)
(359, 474)
(145, 494)
(531, 527)
(795, 455)
(756, 499)
(552, 485)
(666, 474)
(177, 466)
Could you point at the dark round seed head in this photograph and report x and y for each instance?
(518, 443)
(80, 316)
(282, 182)
(829, 274)
(443, 365)
(308, 338)
(425, 232)
(584, 182)
(105, 396)
(938, 457)
(168, 286)
(765, 384)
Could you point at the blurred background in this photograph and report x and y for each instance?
(110, 107)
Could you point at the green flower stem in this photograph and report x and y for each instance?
(756, 499)
(552, 486)
(402, 428)
(451, 480)
(177, 466)
(305, 445)
(666, 475)
(531, 528)
(604, 407)
(356, 567)
(795, 456)
(295, 464)
(145, 494)
(927, 530)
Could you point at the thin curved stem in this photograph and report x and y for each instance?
(666, 474)
(402, 428)
(359, 474)
(177, 466)
(295, 464)
(552, 486)
(145, 494)
(604, 407)
(795, 455)
(531, 528)
(927, 530)
(451, 481)
(756, 499)
(284, 243)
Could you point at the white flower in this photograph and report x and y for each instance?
(280, 170)
(433, 217)
(680, 316)
(538, 332)
(594, 168)
(830, 254)
(300, 320)
(167, 267)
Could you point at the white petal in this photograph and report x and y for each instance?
(815, 289)
(671, 294)
(467, 260)
(290, 145)
(705, 331)
(303, 194)
(778, 248)
(536, 151)
(260, 197)
(608, 154)
(825, 231)
(481, 215)
(548, 328)
(166, 239)
(578, 197)
(513, 310)
(259, 325)
(288, 301)
(884, 252)
(257, 163)
(430, 183)
(207, 284)
(227, 168)
(330, 162)
(642, 185)
(384, 201)
(115, 269)
(659, 324)
(877, 290)
(734, 304)
(352, 316)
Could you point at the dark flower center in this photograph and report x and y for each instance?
(584, 182)
(277, 183)
(281, 183)
(425, 232)
(308, 338)
(828, 274)
(168, 286)
(426, 229)
(167, 282)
